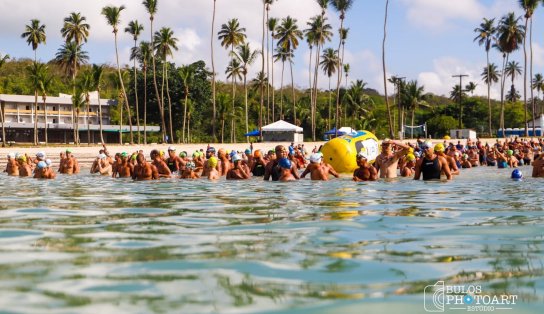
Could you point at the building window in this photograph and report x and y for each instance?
(27, 107)
(38, 108)
(54, 108)
(54, 120)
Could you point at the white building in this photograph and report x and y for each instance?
(20, 114)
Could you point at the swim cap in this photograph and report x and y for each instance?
(48, 162)
(161, 153)
(102, 156)
(517, 175)
(465, 156)
(211, 150)
(124, 154)
(271, 152)
(247, 151)
(236, 157)
(212, 162)
(258, 153)
(291, 150)
(285, 163)
(196, 154)
(42, 165)
(190, 165)
(510, 152)
(439, 147)
(183, 154)
(40, 155)
(22, 158)
(411, 157)
(316, 158)
(361, 155)
(11, 155)
(134, 157)
(69, 150)
(427, 144)
(171, 149)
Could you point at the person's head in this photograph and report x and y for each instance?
(236, 160)
(428, 149)
(171, 152)
(62, 155)
(386, 146)
(140, 159)
(183, 154)
(40, 156)
(362, 160)
(190, 166)
(48, 162)
(439, 149)
(258, 154)
(271, 155)
(247, 152)
(281, 151)
(210, 152)
(410, 160)
(154, 154)
(11, 156)
(316, 158)
(212, 162)
(221, 153)
(284, 163)
(41, 165)
(510, 153)
(123, 156)
(21, 159)
(68, 152)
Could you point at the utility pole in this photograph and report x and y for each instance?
(460, 76)
(398, 83)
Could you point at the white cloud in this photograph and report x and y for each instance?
(437, 15)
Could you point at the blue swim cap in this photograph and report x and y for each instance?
(232, 153)
(285, 163)
(517, 175)
(248, 151)
(42, 165)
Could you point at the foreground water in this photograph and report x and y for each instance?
(85, 244)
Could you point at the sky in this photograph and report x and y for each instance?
(428, 40)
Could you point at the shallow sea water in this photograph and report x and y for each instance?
(85, 244)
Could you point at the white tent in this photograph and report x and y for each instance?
(281, 131)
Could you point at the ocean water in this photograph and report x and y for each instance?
(87, 244)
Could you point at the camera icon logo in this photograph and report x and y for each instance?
(433, 297)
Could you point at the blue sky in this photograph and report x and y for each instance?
(428, 40)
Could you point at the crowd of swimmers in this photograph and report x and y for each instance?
(423, 159)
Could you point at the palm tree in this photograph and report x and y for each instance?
(284, 55)
(268, 3)
(113, 15)
(510, 36)
(457, 93)
(512, 70)
(135, 29)
(222, 110)
(97, 72)
(246, 57)
(78, 102)
(143, 54)
(234, 72)
(212, 37)
(259, 83)
(486, 35)
(151, 7)
(413, 98)
(35, 72)
(45, 82)
(529, 6)
(70, 57)
(329, 66)
(85, 84)
(341, 6)
(187, 74)
(164, 43)
(35, 35)
(76, 30)
(513, 95)
(471, 87)
(321, 32)
(358, 100)
(3, 60)
(232, 35)
(272, 26)
(384, 69)
(538, 84)
(288, 36)
(491, 74)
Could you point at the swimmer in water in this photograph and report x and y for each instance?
(213, 173)
(318, 170)
(365, 172)
(286, 167)
(239, 171)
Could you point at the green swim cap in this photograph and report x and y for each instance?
(69, 150)
(510, 152)
(124, 154)
(133, 157)
(183, 154)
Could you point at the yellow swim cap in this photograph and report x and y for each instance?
(410, 157)
(22, 158)
(439, 147)
(212, 162)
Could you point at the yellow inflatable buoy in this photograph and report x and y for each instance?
(447, 137)
(341, 152)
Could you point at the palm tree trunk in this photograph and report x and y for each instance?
(261, 113)
(121, 124)
(232, 118)
(267, 71)
(145, 104)
(88, 116)
(316, 76)
(330, 105)
(159, 103)
(74, 74)
(525, 78)
(185, 113)
(245, 102)
(281, 90)
(310, 86)
(533, 106)
(213, 73)
(412, 128)
(45, 118)
(294, 98)
(262, 67)
(169, 107)
(222, 130)
(123, 89)
(488, 93)
(503, 82)
(385, 72)
(35, 117)
(100, 116)
(272, 83)
(2, 116)
(136, 96)
(339, 81)
(77, 125)
(162, 97)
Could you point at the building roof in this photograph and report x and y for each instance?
(282, 126)
(66, 100)
(82, 127)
